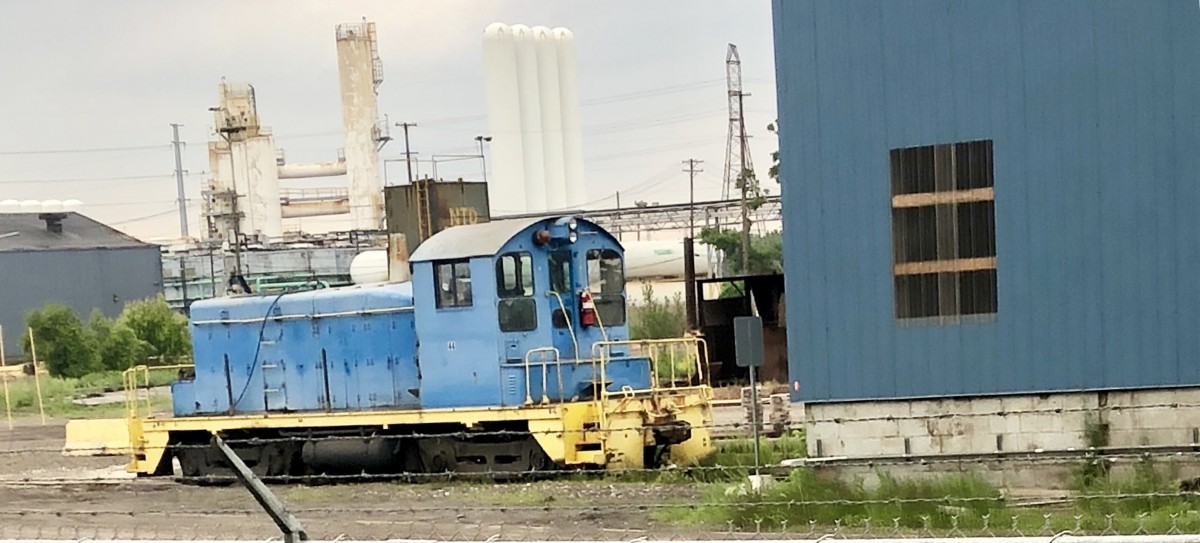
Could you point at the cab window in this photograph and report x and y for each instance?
(516, 310)
(560, 282)
(514, 275)
(560, 272)
(606, 281)
(452, 279)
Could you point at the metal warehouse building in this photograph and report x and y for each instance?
(991, 222)
(73, 260)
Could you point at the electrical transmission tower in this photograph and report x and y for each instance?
(738, 166)
(737, 151)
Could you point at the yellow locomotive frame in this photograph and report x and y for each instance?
(609, 431)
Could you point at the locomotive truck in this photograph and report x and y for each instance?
(508, 351)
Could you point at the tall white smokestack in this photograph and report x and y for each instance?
(572, 133)
(506, 187)
(360, 72)
(531, 118)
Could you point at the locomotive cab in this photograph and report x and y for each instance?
(516, 312)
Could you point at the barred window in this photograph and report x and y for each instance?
(943, 230)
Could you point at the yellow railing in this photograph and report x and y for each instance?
(136, 380)
(674, 363)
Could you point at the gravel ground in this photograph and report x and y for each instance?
(46, 495)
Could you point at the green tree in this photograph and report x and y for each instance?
(657, 319)
(766, 251)
(63, 344)
(120, 348)
(164, 332)
(773, 173)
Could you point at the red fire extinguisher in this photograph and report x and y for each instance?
(587, 309)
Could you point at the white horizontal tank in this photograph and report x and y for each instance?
(10, 206)
(645, 259)
(52, 206)
(369, 267)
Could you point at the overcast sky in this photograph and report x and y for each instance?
(104, 75)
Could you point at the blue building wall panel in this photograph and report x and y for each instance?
(1092, 108)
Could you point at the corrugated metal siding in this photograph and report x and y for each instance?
(1092, 107)
(103, 279)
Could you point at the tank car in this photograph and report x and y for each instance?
(507, 351)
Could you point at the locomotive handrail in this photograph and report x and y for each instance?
(381, 311)
(570, 330)
(602, 351)
(545, 366)
(131, 384)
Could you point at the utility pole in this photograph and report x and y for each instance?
(183, 222)
(618, 207)
(226, 133)
(738, 167)
(692, 171)
(746, 177)
(407, 152)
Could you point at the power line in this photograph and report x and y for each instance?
(83, 150)
(90, 179)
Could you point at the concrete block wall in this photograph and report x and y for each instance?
(1047, 422)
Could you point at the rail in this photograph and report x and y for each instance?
(544, 352)
(677, 357)
(136, 380)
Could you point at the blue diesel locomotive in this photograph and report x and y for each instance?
(508, 351)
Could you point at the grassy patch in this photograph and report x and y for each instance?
(58, 395)
(732, 461)
(806, 501)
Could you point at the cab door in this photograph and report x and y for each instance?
(563, 303)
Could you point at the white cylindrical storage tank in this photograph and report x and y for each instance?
(506, 186)
(531, 118)
(551, 113)
(358, 72)
(658, 259)
(10, 206)
(72, 205)
(572, 133)
(52, 206)
(30, 206)
(369, 267)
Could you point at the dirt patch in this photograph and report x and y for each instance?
(46, 495)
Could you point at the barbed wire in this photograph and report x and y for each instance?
(453, 525)
(947, 500)
(767, 428)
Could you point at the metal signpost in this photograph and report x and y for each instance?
(748, 343)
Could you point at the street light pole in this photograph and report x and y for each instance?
(482, 156)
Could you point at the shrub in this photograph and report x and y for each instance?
(164, 332)
(62, 343)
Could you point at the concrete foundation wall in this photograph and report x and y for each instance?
(1052, 422)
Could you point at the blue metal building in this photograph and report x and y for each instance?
(989, 197)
